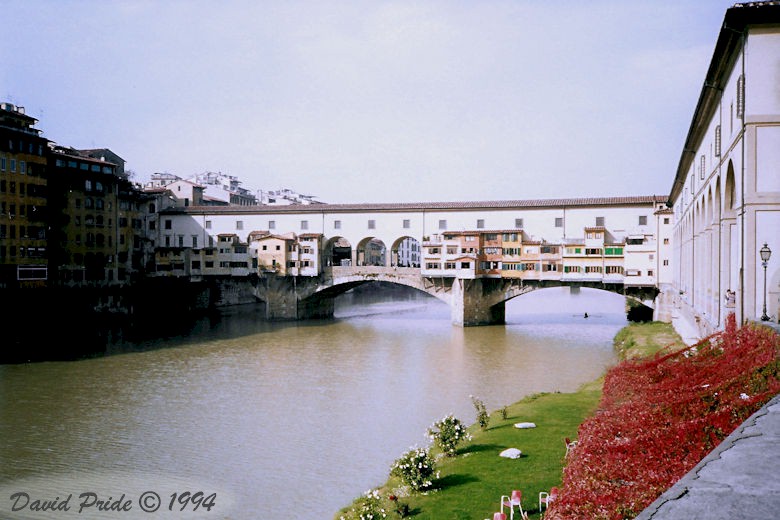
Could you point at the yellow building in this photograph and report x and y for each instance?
(23, 200)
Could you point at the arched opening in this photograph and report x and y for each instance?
(730, 193)
(405, 252)
(338, 252)
(371, 251)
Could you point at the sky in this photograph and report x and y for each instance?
(371, 101)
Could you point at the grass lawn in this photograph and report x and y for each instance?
(470, 484)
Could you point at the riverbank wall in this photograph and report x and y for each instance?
(63, 323)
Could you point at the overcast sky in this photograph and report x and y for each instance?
(371, 101)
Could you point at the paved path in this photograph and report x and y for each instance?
(739, 479)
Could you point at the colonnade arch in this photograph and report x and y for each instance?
(705, 251)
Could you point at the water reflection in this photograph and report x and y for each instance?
(265, 413)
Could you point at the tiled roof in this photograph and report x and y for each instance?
(441, 206)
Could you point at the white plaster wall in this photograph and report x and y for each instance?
(538, 223)
(762, 66)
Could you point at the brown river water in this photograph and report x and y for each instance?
(261, 420)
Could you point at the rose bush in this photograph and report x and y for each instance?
(415, 468)
(448, 433)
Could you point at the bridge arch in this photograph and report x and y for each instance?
(371, 251)
(337, 251)
(405, 251)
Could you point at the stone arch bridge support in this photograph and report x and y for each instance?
(472, 302)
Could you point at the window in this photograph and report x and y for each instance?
(600, 221)
(372, 224)
(650, 273)
(442, 224)
(194, 241)
(208, 224)
(518, 223)
(407, 223)
(666, 262)
(239, 224)
(432, 265)
(480, 223)
(702, 163)
(168, 224)
(593, 269)
(181, 240)
(593, 251)
(465, 265)
(613, 251)
(271, 224)
(741, 96)
(642, 220)
(666, 241)
(666, 220)
(558, 222)
(614, 269)
(304, 224)
(336, 224)
(717, 141)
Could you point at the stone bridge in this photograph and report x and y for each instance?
(472, 302)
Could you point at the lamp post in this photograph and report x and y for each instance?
(765, 253)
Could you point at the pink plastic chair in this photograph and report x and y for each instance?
(570, 445)
(545, 498)
(499, 516)
(512, 501)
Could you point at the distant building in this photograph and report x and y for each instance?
(161, 180)
(285, 197)
(224, 188)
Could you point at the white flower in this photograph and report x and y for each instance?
(744, 396)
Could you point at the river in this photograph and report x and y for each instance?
(279, 420)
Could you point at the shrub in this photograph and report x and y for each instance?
(482, 416)
(660, 416)
(448, 433)
(415, 468)
(367, 507)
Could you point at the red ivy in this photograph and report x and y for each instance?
(659, 417)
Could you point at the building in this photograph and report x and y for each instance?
(726, 192)
(23, 200)
(285, 197)
(96, 217)
(221, 188)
